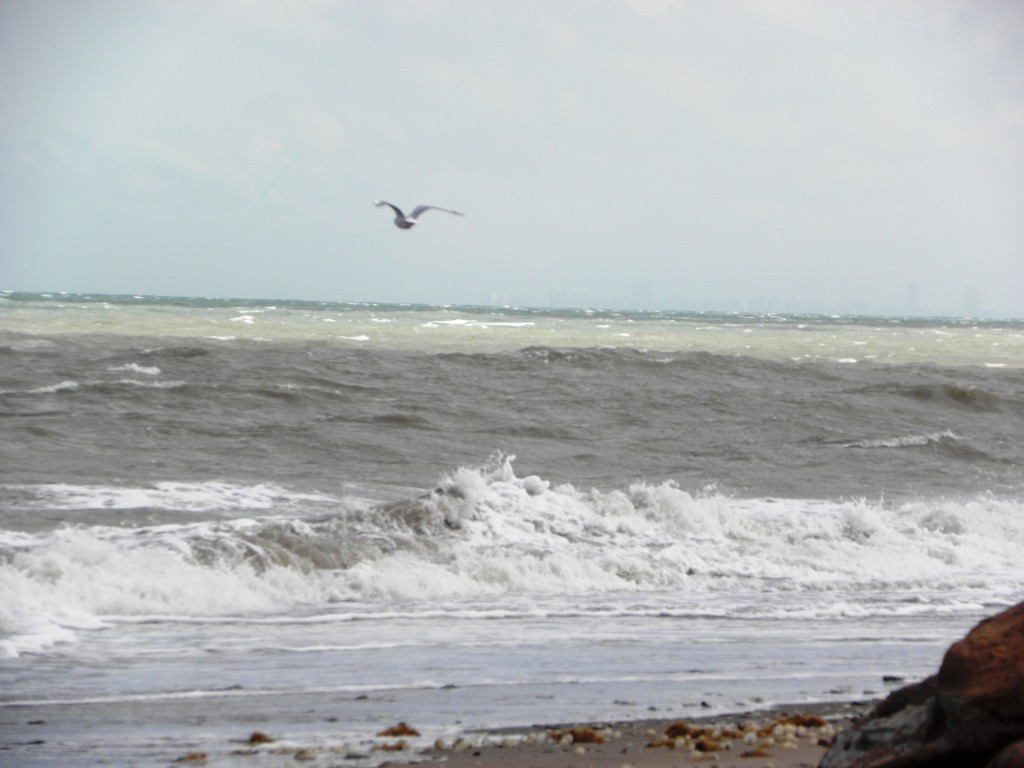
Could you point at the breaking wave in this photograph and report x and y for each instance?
(482, 531)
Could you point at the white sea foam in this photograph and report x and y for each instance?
(152, 384)
(208, 496)
(906, 441)
(146, 370)
(51, 389)
(462, 322)
(26, 631)
(70, 386)
(485, 532)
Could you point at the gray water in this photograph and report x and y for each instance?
(219, 516)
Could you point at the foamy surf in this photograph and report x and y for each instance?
(908, 441)
(482, 532)
(205, 496)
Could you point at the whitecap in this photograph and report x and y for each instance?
(152, 384)
(205, 496)
(905, 441)
(54, 388)
(146, 370)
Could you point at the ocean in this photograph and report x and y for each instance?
(318, 519)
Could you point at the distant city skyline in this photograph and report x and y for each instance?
(644, 296)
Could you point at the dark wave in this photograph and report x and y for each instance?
(957, 393)
(592, 416)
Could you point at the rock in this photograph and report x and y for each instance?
(801, 721)
(398, 746)
(1011, 757)
(402, 729)
(678, 728)
(586, 735)
(579, 735)
(960, 718)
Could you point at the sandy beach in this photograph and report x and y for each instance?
(783, 736)
(242, 733)
(789, 736)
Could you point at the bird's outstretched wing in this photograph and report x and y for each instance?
(395, 208)
(421, 208)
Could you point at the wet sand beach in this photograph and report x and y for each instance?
(783, 736)
(242, 737)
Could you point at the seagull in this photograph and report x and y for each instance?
(407, 222)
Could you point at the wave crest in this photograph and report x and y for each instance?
(485, 531)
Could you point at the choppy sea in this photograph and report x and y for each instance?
(318, 519)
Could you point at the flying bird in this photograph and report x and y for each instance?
(407, 222)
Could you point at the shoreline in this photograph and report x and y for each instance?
(776, 736)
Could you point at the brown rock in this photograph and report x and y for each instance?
(1011, 757)
(960, 718)
(399, 730)
(707, 744)
(803, 721)
(662, 744)
(398, 746)
(678, 728)
(585, 735)
(984, 675)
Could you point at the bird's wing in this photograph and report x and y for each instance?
(421, 208)
(394, 208)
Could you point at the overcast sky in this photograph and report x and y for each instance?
(845, 155)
